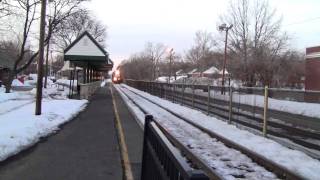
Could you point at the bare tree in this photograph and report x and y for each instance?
(155, 53)
(5, 8)
(256, 40)
(74, 25)
(137, 67)
(58, 12)
(27, 11)
(201, 50)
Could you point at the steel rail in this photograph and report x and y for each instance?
(224, 114)
(210, 172)
(279, 170)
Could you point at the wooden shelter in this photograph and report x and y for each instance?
(85, 52)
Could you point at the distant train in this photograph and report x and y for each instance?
(117, 78)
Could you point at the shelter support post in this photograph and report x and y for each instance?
(84, 75)
(88, 71)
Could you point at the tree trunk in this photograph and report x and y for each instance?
(47, 65)
(9, 80)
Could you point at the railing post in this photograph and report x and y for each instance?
(147, 120)
(171, 92)
(230, 104)
(165, 92)
(147, 87)
(182, 96)
(265, 111)
(208, 110)
(152, 88)
(158, 89)
(192, 95)
(174, 90)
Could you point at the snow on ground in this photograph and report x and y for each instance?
(104, 82)
(16, 82)
(206, 81)
(294, 107)
(66, 82)
(294, 160)
(164, 79)
(228, 162)
(20, 128)
(302, 108)
(15, 95)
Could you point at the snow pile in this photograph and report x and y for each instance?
(30, 82)
(216, 154)
(164, 79)
(21, 129)
(294, 107)
(16, 82)
(52, 93)
(302, 108)
(294, 160)
(103, 83)
(211, 70)
(13, 95)
(66, 82)
(33, 76)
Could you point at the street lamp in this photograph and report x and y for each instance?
(224, 27)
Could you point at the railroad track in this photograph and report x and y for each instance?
(303, 139)
(250, 166)
(241, 116)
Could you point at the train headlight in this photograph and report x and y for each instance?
(114, 79)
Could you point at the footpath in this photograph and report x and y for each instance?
(85, 148)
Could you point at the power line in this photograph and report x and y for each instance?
(303, 21)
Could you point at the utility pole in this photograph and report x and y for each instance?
(224, 27)
(47, 59)
(40, 60)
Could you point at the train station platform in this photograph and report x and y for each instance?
(85, 148)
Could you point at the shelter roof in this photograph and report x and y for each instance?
(85, 51)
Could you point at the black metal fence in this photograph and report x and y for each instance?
(249, 107)
(161, 160)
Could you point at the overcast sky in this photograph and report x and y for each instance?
(131, 23)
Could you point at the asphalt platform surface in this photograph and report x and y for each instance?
(133, 134)
(85, 148)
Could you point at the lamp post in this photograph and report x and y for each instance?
(224, 27)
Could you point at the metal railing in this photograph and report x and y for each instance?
(245, 106)
(161, 160)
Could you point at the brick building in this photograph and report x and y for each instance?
(312, 81)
